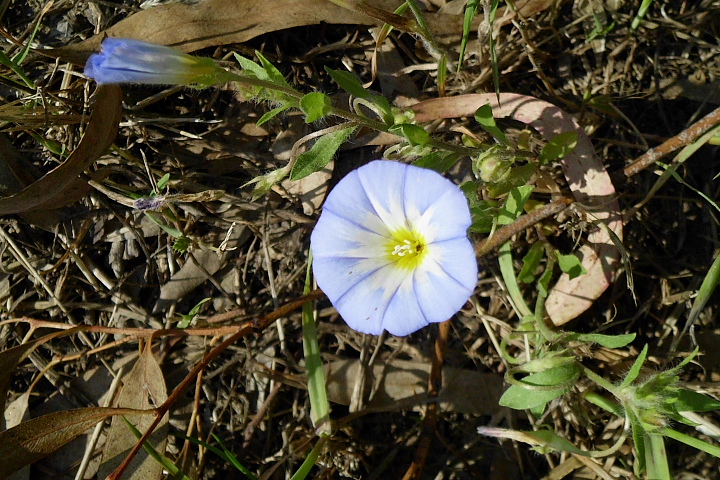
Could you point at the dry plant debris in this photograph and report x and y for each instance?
(141, 274)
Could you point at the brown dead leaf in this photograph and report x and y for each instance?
(32, 440)
(50, 190)
(10, 358)
(222, 22)
(144, 389)
(404, 385)
(588, 181)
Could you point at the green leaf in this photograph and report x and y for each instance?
(317, 390)
(414, 134)
(272, 114)
(162, 183)
(690, 401)
(635, 369)
(513, 208)
(531, 261)
(570, 264)
(484, 117)
(693, 442)
(559, 147)
(251, 67)
(320, 154)
(521, 398)
(609, 341)
(470, 10)
(438, 161)
(349, 83)
(552, 441)
(315, 106)
(517, 177)
(187, 319)
(352, 85)
(272, 73)
(483, 216)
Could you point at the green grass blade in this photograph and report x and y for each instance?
(319, 405)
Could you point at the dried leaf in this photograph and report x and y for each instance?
(48, 191)
(588, 181)
(403, 384)
(222, 22)
(10, 358)
(143, 389)
(32, 440)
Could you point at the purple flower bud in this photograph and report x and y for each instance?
(123, 60)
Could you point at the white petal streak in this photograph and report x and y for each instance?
(446, 279)
(448, 216)
(351, 202)
(364, 307)
(384, 184)
(335, 236)
(337, 276)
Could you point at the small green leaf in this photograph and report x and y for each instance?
(187, 319)
(438, 161)
(272, 114)
(251, 67)
(484, 117)
(635, 369)
(531, 261)
(520, 398)
(483, 216)
(162, 183)
(559, 147)
(181, 244)
(414, 134)
(272, 73)
(513, 208)
(570, 264)
(609, 341)
(315, 106)
(264, 183)
(320, 154)
(690, 401)
(349, 83)
(517, 176)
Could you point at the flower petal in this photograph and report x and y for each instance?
(336, 275)
(364, 307)
(335, 236)
(384, 184)
(348, 200)
(436, 207)
(446, 279)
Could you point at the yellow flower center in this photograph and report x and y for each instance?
(406, 248)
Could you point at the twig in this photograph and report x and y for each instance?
(686, 137)
(504, 234)
(431, 414)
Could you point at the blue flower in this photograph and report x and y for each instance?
(123, 60)
(391, 250)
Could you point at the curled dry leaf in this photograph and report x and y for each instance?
(50, 190)
(32, 440)
(588, 180)
(222, 22)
